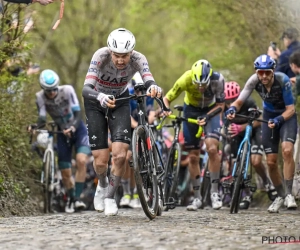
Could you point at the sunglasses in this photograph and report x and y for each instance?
(262, 72)
(200, 85)
(48, 91)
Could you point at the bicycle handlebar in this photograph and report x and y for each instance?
(191, 120)
(36, 129)
(251, 118)
(137, 97)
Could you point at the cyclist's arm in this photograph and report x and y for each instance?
(42, 113)
(74, 106)
(177, 89)
(91, 78)
(218, 90)
(246, 92)
(288, 99)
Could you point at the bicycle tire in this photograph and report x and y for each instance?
(172, 172)
(238, 181)
(47, 183)
(205, 187)
(145, 172)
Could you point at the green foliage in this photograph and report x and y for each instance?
(16, 108)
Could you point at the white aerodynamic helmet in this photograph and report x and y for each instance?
(121, 41)
(49, 79)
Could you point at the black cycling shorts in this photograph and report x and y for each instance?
(271, 137)
(98, 125)
(190, 130)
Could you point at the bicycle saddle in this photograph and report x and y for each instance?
(178, 107)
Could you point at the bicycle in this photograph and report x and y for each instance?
(49, 175)
(241, 178)
(147, 162)
(174, 157)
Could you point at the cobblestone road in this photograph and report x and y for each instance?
(176, 229)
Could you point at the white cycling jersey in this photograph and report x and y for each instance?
(106, 78)
(60, 108)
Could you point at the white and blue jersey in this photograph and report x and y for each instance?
(61, 108)
(277, 98)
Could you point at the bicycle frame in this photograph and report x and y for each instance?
(247, 139)
(53, 170)
(49, 149)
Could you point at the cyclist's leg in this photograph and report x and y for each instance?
(98, 140)
(64, 151)
(270, 141)
(125, 181)
(212, 147)
(82, 153)
(288, 133)
(120, 129)
(191, 144)
(258, 165)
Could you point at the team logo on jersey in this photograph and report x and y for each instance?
(94, 137)
(93, 70)
(95, 63)
(287, 85)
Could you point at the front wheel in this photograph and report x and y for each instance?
(238, 181)
(47, 183)
(144, 161)
(172, 172)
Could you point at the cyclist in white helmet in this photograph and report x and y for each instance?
(109, 73)
(61, 103)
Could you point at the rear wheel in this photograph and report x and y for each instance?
(47, 183)
(145, 172)
(171, 173)
(238, 181)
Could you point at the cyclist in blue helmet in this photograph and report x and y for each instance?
(275, 90)
(61, 103)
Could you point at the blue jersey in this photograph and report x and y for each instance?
(133, 105)
(279, 96)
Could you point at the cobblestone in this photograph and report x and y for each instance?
(130, 229)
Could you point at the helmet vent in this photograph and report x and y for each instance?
(115, 43)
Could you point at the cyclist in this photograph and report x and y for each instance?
(110, 70)
(61, 103)
(237, 130)
(278, 108)
(204, 92)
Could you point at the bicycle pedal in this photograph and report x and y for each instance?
(171, 204)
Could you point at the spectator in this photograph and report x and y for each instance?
(295, 67)
(42, 2)
(289, 37)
